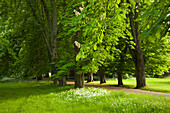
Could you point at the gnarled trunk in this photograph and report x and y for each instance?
(90, 77)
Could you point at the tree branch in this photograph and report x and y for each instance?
(132, 23)
(42, 31)
(49, 21)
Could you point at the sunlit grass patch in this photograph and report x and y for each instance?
(153, 84)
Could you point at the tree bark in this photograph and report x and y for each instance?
(102, 78)
(120, 82)
(90, 77)
(53, 33)
(137, 54)
(140, 68)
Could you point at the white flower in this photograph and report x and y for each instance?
(76, 13)
(81, 9)
(77, 44)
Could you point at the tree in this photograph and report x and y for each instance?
(85, 37)
(46, 16)
(99, 24)
(137, 53)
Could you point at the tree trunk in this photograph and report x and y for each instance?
(79, 79)
(139, 62)
(55, 80)
(90, 77)
(62, 81)
(137, 54)
(102, 78)
(140, 69)
(120, 82)
(121, 66)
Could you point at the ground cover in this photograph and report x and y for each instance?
(153, 84)
(43, 96)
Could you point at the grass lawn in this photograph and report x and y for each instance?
(44, 97)
(153, 84)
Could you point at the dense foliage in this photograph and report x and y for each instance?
(116, 37)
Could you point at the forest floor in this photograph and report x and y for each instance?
(116, 88)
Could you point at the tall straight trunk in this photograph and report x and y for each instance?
(102, 78)
(90, 77)
(53, 35)
(137, 54)
(120, 82)
(79, 78)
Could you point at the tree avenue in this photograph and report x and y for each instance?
(83, 38)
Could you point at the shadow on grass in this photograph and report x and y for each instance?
(15, 90)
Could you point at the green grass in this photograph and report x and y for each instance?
(44, 97)
(153, 84)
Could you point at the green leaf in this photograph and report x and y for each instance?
(95, 46)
